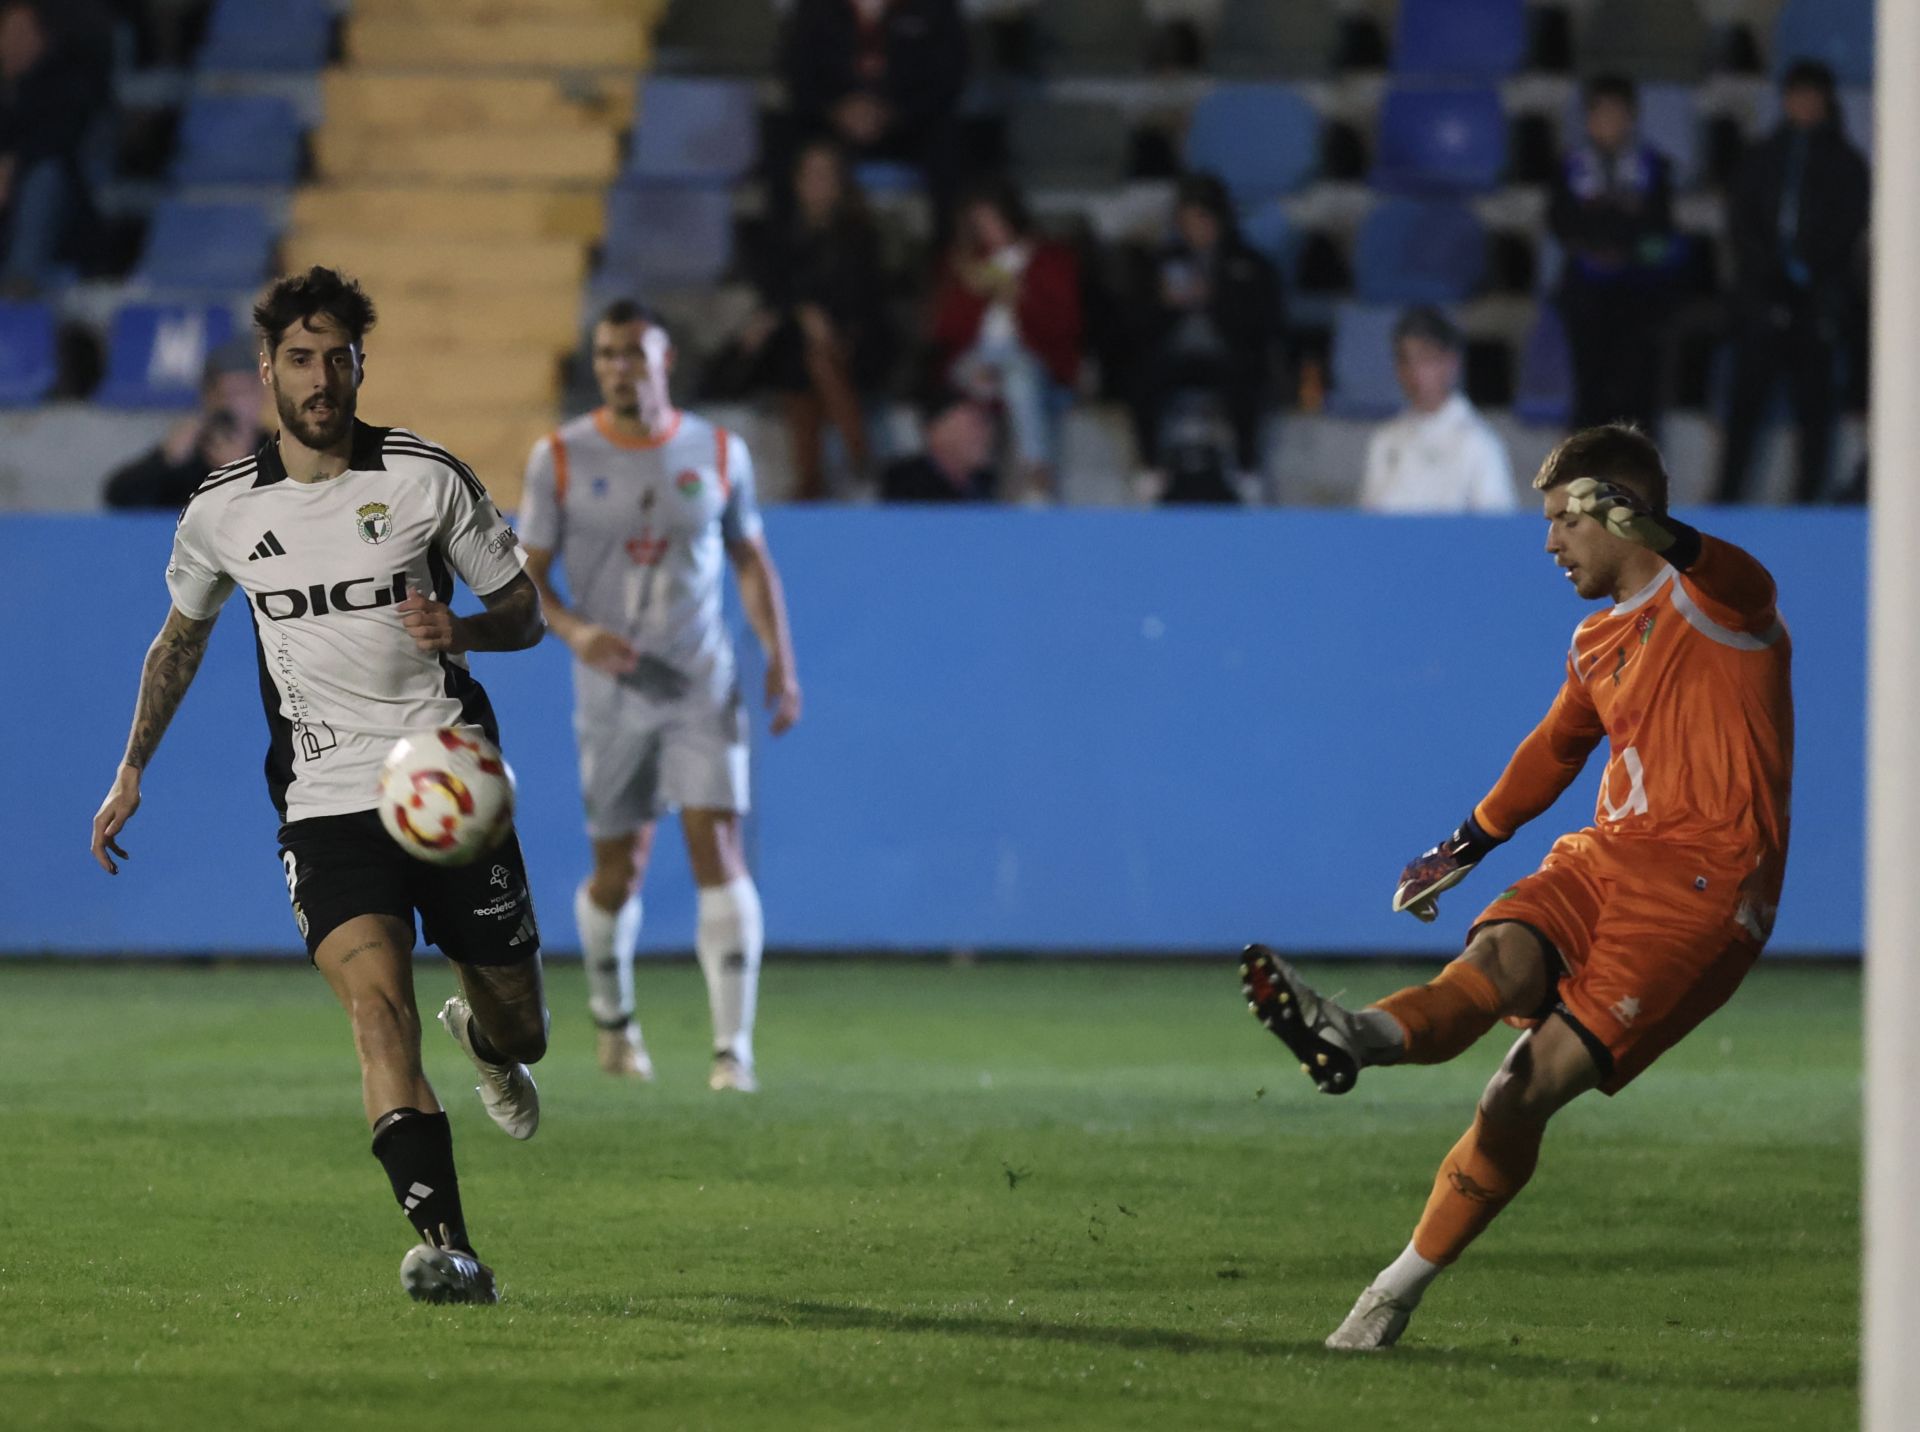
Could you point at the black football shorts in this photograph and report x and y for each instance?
(341, 866)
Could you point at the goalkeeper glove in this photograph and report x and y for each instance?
(1621, 511)
(1442, 868)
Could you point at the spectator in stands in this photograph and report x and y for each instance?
(1440, 455)
(1612, 211)
(821, 333)
(55, 69)
(956, 463)
(883, 77)
(1797, 217)
(226, 429)
(1007, 324)
(1213, 317)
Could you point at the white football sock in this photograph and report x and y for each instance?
(1407, 1277)
(607, 939)
(729, 940)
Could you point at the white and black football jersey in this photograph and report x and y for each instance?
(322, 565)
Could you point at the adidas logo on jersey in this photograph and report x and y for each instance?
(268, 546)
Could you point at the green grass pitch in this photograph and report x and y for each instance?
(1017, 1196)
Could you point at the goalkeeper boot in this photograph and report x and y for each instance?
(1376, 1322)
(1331, 1043)
(506, 1090)
(432, 1274)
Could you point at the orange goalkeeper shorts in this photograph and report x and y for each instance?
(1648, 945)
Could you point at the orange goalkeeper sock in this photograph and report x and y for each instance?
(1446, 1017)
(1479, 1177)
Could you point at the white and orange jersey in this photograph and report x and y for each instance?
(1689, 681)
(641, 527)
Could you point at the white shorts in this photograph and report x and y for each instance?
(640, 757)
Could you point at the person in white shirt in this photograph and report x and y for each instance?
(1439, 455)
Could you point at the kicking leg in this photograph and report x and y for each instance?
(729, 940)
(1504, 970)
(607, 911)
(367, 963)
(1546, 1069)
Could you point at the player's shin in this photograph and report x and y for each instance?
(1479, 1176)
(607, 940)
(416, 1150)
(1446, 1017)
(729, 942)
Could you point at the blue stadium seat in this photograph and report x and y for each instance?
(238, 139)
(29, 362)
(205, 248)
(1544, 392)
(286, 35)
(1460, 39)
(1441, 139)
(1261, 140)
(669, 233)
(1363, 384)
(156, 351)
(694, 129)
(884, 176)
(1419, 251)
(1836, 32)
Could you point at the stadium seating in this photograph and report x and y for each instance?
(205, 248)
(155, 354)
(1361, 368)
(1080, 37)
(1460, 39)
(1449, 139)
(1544, 392)
(287, 35)
(1068, 143)
(669, 233)
(717, 37)
(1262, 140)
(1275, 39)
(1645, 40)
(29, 361)
(694, 130)
(1836, 32)
(1419, 251)
(238, 139)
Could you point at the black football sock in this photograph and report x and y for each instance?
(416, 1150)
(483, 1046)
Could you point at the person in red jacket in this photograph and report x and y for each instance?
(1006, 323)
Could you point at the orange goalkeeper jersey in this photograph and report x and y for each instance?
(1689, 680)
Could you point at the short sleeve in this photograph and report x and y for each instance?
(540, 511)
(740, 518)
(479, 543)
(195, 578)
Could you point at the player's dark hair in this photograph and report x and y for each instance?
(1610, 86)
(630, 310)
(1613, 452)
(302, 297)
(1430, 325)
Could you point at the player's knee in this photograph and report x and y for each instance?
(385, 1025)
(610, 887)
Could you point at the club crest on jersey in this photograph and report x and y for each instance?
(1644, 626)
(689, 483)
(373, 522)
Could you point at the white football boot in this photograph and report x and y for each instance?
(731, 1073)
(1376, 1322)
(623, 1053)
(446, 1275)
(507, 1090)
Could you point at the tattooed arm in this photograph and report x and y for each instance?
(171, 662)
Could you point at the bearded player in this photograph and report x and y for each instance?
(644, 505)
(344, 540)
(1634, 929)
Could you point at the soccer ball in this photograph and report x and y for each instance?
(446, 796)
